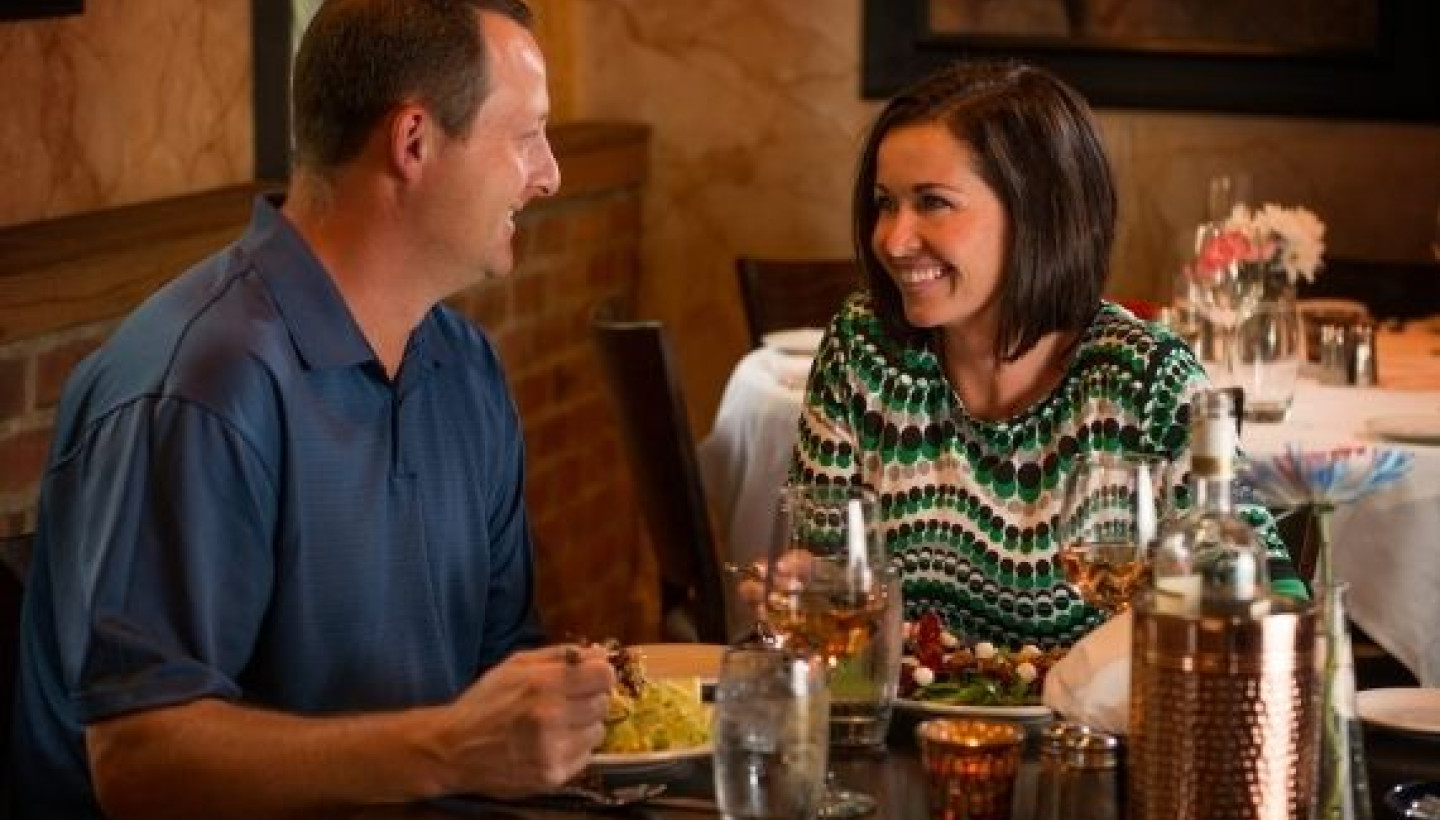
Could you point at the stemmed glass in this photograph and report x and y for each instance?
(1112, 509)
(1227, 298)
(830, 592)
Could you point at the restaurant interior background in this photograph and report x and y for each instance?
(751, 116)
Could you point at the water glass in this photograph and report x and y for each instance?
(1269, 359)
(970, 767)
(770, 731)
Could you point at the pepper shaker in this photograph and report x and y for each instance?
(1361, 348)
(1090, 787)
(1052, 751)
(1334, 354)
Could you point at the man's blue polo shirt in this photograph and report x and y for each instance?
(239, 504)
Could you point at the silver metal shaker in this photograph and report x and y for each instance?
(1334, 354)
(1090, 780)
(1360, 347)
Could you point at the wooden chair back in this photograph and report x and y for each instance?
(778, 294)
(641, 376)
(15, 551)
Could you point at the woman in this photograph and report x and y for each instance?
(982, 361)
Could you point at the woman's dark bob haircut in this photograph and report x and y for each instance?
(1035, 144)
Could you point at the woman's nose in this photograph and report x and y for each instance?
(895, 235)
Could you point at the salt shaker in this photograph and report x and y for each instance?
(1052, 751)
(1090, 786)
(1334, 354)
(1360, 369)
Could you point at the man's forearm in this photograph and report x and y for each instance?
(212, 758)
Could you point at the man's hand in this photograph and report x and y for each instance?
(531, 723)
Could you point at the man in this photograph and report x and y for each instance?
(283, 565)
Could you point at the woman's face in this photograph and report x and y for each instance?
(940, 231)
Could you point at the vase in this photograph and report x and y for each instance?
(1344, 790)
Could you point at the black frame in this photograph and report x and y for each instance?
(32, 9)
(270, 47)
(1399, 80)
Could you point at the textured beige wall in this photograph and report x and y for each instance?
(756, 119)
(131, 101)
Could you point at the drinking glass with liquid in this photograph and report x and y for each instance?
(1112, 509)
(771, 734)
(830, 593)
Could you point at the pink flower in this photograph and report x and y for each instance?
(1222, 249)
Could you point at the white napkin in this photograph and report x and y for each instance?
(790, 370)
(1091, 684)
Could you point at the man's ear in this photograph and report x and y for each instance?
(410, 134)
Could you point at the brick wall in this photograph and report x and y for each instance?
(64, 285)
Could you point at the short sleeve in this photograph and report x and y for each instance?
(167, 527)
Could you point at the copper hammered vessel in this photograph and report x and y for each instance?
(1223, 720)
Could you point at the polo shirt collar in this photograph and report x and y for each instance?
(320, 324)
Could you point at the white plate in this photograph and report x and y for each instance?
(681, 660)
(1418, 428)
(635, 763)
(800, 341)
(1411, 709)
(934, 708)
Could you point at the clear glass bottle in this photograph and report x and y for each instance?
(1209, 559)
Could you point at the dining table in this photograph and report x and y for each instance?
(1386, 545)
(895, 777)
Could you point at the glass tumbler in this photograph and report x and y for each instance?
(1270, 355)
(771, 734)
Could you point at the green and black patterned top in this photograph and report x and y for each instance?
(969, 507)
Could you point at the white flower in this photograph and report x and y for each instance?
(948, 640)
(1028, 651)
(923, 676)
(1027, 672)
(984, 650)
(1290, 238)
(1299, 236)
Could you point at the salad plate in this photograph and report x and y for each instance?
(935, 708)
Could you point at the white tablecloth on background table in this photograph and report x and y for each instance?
(1387, 546)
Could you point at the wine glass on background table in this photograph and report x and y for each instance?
(1112, 510)
(830, 592)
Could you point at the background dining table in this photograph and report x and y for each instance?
(895, 778)
(1387, 546)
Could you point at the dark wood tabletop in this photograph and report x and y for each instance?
(896, 780)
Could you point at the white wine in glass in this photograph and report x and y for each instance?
(1113, 505)
(830, 592)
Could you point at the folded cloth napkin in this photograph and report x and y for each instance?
(790, 370)
(1091, 684)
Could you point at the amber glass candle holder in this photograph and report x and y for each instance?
(970, 767)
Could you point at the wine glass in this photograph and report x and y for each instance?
(1226, 297)
(1112, 508)
(830, 592)
(1223, 192)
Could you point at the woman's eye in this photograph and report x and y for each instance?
(931, 202)
(884, 203)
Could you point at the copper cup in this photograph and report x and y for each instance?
(970, 767)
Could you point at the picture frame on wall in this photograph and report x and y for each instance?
(35, 9)
(1365, 59)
